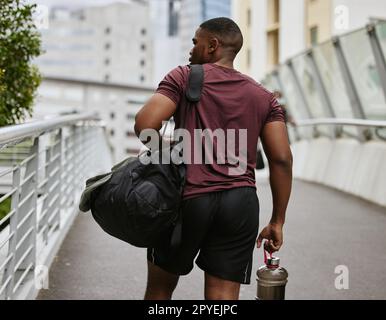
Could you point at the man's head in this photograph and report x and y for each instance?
(216, 39)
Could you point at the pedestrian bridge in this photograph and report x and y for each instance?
(334, 234)
(46, 242)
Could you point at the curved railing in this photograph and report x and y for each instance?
(43, 166)
(343, 78)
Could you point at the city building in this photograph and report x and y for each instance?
(275, 30)
(111, 43)
(166, 41)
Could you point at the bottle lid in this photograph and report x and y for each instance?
(273, 262)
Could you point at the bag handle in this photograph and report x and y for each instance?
(195, 83)
(193, 90)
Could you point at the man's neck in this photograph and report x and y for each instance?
(225, 63)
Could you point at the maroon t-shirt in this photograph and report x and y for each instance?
(229, 100)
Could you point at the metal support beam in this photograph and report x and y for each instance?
(321, 89)
(352, 93)
(9, 274)
(378, 55)
(355, 101)
(301, 95)
(299, 89)
(276, 75)
(328, 108)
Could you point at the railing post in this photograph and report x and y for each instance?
(299, 89)
(378, 55)
(9, 274)
(355, 101)
(25, 250)
(51, 203)
(57, 151)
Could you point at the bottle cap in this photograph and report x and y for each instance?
(273, 262)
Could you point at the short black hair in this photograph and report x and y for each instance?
(226, 30)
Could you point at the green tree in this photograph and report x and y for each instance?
(19, 44)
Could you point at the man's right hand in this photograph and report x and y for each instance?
(273, 232)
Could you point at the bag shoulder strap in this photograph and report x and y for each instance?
(195, 83)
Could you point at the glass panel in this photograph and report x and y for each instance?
(306, 78)
(381, 32)
(307, 82)
(292, 100)
(331, 75)
(361, 62)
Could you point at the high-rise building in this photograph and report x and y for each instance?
(111, 43)
(192, 14)
(275, 30)
(166, 42)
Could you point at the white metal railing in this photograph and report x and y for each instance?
(343, 122)
(43, 167)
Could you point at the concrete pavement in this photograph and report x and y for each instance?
(324, 229)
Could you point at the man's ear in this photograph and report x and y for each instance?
(213, 45)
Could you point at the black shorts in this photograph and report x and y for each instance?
(221, 227)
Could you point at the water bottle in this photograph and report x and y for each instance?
(271, 279)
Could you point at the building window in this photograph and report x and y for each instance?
(143, 31)
(314, 35)
(143, 47)
(107, 30)
(142, 62)
(107, 46)
(112, 132)
(107, 61)
(273, 48)
(107, 77)
(142, 78)
(273, 11)
(174, 8)
(130, 116)
(112, 115)
(273, 33)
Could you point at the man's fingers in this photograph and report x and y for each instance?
(271, 247)
(274, 247)
(259, 241)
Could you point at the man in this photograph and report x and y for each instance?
(220, 212)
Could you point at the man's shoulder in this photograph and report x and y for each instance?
(181, 70)
(258, 86)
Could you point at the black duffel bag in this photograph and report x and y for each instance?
(140, 203)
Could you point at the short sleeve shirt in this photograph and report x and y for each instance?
(232, 113)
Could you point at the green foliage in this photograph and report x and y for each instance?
(19, 44)
(5, 208)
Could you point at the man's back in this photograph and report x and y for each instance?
(233, 103)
